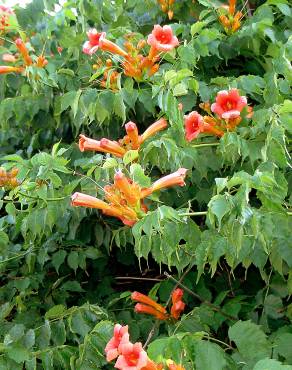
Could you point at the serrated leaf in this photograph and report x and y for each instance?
(55, 312)
(130, 156)
(248, 336)
(73, 260)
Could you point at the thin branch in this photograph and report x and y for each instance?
(137, 278)
(211, 305)
(203, 213)
(204, 145)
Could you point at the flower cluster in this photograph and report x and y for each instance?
(229, 109)
(110, 76)
(40, 61)
(148, 306)
(134, 63)
(8, 179)
(167, 7)
(124, 198)
(131, 141)
(131, 356)
(5, 13)
(230, 20)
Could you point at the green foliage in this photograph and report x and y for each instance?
(66, 272)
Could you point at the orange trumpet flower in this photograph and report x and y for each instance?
(232, 5)
(84, 200)
(176, 178)
(139, 297)
(10, 69)
(112, 147)
(127, 189)
(23, 51)
(143, 308)
(157, 126)
(178, 305)
(132, 132)
(131, 141)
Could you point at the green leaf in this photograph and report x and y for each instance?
(220, 205)
(209, 356)
(130, 156)
(55, 312)
(248, 336)
(119, 107)
(18, 353)
(58, 258)
(73, 260)
(268, 364)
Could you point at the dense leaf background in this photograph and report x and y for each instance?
(66, 273)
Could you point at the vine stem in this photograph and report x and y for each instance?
(218, 341)
(211, 305)
(203, 145)
(203, 213)
(46, 200)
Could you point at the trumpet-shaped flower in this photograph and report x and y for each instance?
(229, 104)
(129, 190)
(176, 309)
(97, 40)
(132, 132)
(23, 51)
(92, 45)
(131, 141)
(132, 357)
(162, 38)
(174, 179)
(157, 126)
(121, 336)
(148, 310)
(193, 125)
(124, 199)
(84, 200)
(10, 69)
(178, 305)
(139, 297)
